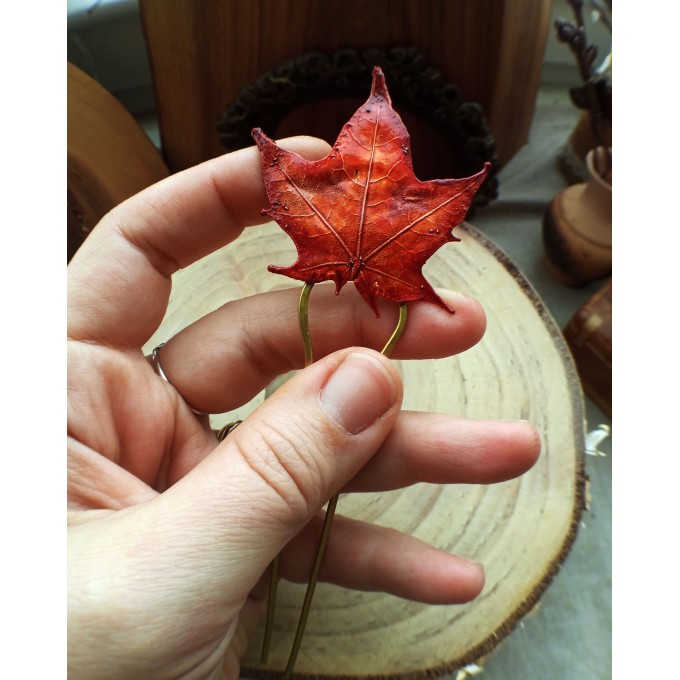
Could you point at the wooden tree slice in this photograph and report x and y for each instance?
(521, 530)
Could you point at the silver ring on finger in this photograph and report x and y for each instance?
(158, 370)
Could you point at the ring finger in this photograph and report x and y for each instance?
(364, 556)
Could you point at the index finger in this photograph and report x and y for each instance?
(119, 281)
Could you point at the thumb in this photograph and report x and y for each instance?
(186, 561)
(259, 487)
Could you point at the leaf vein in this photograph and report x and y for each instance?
(362, 214)
(391, 276)
(401, 232)
(326, 223)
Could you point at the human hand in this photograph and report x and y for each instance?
(170, 533)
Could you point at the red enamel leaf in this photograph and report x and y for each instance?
(360, 214)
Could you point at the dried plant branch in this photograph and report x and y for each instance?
(574, 35)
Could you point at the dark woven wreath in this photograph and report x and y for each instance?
(415, 86)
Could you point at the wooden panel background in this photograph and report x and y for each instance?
(203, 52)
(109, 156)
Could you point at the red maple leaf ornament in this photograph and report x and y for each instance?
(360, 214)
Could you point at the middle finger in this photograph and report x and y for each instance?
(441, 449)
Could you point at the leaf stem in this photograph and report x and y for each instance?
(303, 322)
(311, 585)
(271, 605)
(398, 331)
(330, 510)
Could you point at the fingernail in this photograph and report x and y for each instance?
(452, 297)
(473, 563)
(358, 393)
